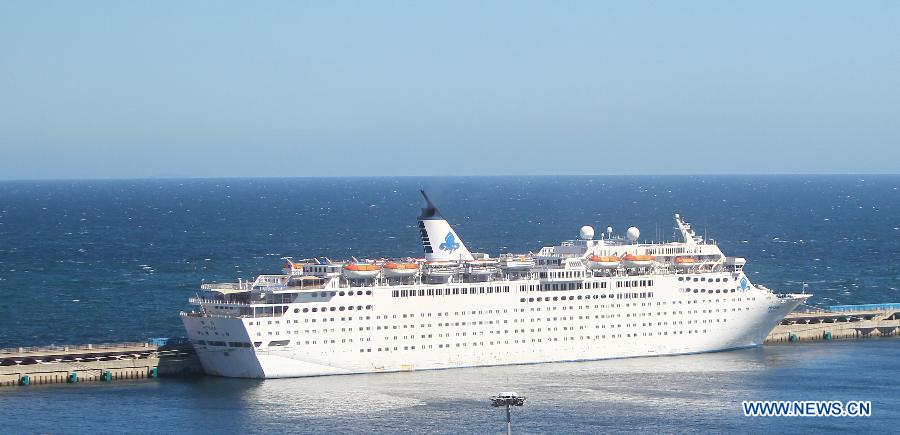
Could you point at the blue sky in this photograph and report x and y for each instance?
(117, 89)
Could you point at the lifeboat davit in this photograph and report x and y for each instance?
(361, 270)
(632, 260)
(609, 262)
(392, 268)
(685, 262)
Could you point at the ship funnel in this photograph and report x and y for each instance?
(439, 240)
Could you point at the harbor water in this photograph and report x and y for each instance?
(681, 394)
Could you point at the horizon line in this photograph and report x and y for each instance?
(250, 177)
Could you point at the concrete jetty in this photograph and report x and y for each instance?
(96, 362)
(839, 322)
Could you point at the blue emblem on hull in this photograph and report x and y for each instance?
(449, 244)
(744, 285)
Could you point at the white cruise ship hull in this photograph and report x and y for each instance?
(509, 326)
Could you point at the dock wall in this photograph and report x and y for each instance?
(830, 325)
(95, 363)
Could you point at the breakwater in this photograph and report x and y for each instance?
(838, 322)
(97, 362)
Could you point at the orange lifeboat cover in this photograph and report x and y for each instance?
(609, 259)
(394, 265)
(361, 267)
(632, 257)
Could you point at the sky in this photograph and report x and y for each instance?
(96, 89)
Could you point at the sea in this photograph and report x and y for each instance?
(94, 261)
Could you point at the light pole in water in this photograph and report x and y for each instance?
(507, 399)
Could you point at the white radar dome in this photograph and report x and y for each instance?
(633, 233)
(587, 232)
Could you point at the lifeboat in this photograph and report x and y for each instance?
(516, 263)
(598, 262)
(400, 269)
(685, 262)
(440, 268)
(481, 267)
(634, 261)
(361, 270)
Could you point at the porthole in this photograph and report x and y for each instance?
(342, 293)
(306, 310)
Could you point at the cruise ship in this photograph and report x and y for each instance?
(590, 298)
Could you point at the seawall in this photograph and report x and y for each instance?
(96, 362)
(846, 323)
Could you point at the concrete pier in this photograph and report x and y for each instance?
(95, 362)
(847, 323)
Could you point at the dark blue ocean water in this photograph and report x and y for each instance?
(91, 261)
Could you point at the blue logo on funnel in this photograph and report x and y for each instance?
(449, 244)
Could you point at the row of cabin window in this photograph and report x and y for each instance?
(570, 286)
(635, 283)
(703, 290)
(278, 343)
(350, 293)
(572, 298)
(696, 279)
(572, 328)
(565, 274)
(341, 308)
(449, 291)
(539, 340)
